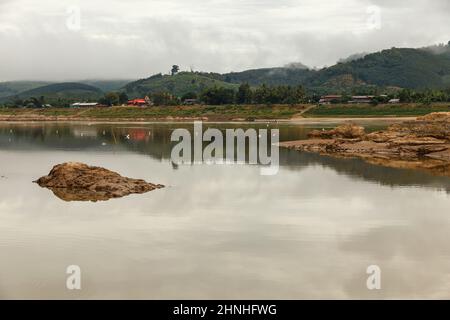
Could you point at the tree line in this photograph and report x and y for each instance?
(264, 94)
(404, 96)
(247, 95)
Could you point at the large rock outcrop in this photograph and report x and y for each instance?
(75, 181)
(346, 131)
(420, 144)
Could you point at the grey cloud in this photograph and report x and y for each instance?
(138, 38)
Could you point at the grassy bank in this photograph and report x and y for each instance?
(225, 112)
(219, 113)
(384, 110)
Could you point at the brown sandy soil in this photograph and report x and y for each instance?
(295, 119)
(246, 113)
(39, 118)
(79, 182)
(423, 143)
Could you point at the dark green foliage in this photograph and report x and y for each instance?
(403, 68)
(107, 85)
(424, 96)
(178, 85)
(217, 96)
(189, 95)
(270, 76)
(175, 69)
(279, 95)
(59, 94)
(244, 94)
(60, 87)
(110, 99)
(12, 88)
(123, 97)
(164, 99)
(261, 95)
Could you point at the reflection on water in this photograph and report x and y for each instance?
(217, 231)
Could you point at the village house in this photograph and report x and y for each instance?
(137, 102)
(190, 102)
(140, 102)
(84, 104)
(329, 99)
(361, 99)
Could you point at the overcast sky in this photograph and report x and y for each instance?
(100, 39)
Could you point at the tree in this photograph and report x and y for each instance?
(262, 94)
(110, 99)
(164, 99)
(405, 95)
(217, 96)
(175, 69)
(18, 102)
(123, 98)
(35, 102)
(188, 95)
(244, 94)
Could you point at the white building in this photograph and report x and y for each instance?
(84, 104)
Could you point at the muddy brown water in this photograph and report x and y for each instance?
(217, 231)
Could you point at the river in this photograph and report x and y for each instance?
(216, 231)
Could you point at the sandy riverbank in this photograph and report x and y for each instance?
(302, 113)
(36, 118)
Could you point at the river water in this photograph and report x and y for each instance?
(216, 231)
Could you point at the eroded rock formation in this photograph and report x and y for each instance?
(75, 181)
(420, 144)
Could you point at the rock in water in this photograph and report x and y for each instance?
(420, 144)
(346, 131)
(75, 181)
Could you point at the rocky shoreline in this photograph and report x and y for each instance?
(73, 181)
(423, 143)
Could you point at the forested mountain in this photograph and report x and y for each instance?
(394, 68)
(270, 76)
(405, 68)
(14, 87)
(107, 85)
(59, 93)
(178, 84)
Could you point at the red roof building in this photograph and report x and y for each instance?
(137, 102)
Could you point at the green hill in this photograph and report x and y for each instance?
(59, 94)
(270, 76)
(14, 87)
(393, 68)
(107, 85)
(405, 68)
(179, 84)
(390, 69)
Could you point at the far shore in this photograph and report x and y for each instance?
(303, 113)
(191, 120)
